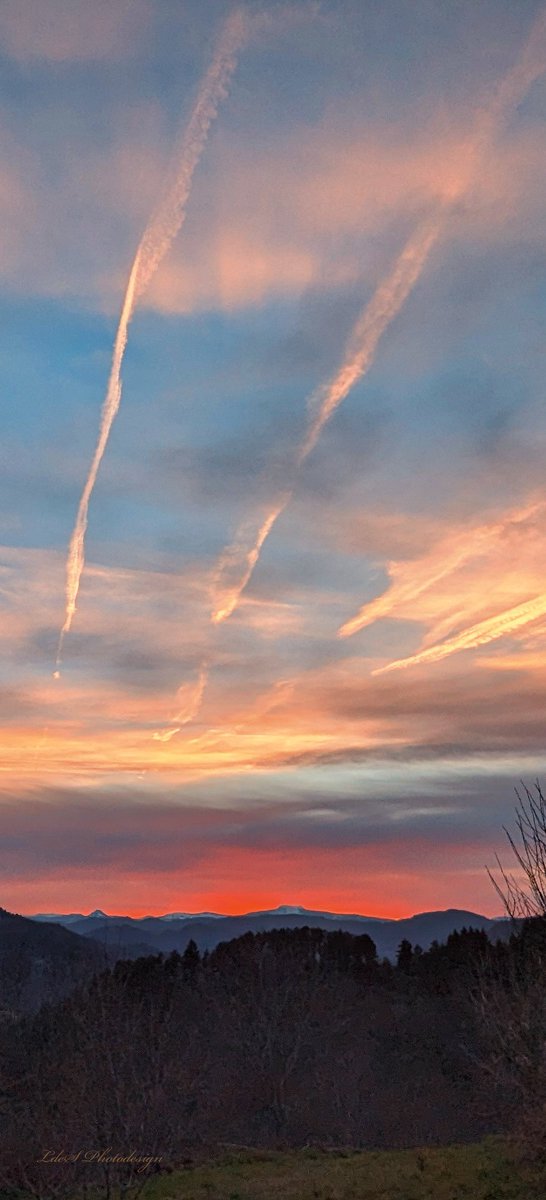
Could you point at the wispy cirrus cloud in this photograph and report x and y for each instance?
(304, 776)
(476, 585)
(263, 712)
(502, 624)
(298, 212)
(437, 571)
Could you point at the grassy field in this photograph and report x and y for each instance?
(486, 1171)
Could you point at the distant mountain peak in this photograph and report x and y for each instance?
(186, 916)
(172, 931)
(289, 910)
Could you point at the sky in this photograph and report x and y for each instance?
(306, 657)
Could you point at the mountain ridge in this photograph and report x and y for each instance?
(168, 932)
(42, 961)
(280, 909)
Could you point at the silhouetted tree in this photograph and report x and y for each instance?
(512, 993)
(404, 957)
(528, 845)
(191, 957)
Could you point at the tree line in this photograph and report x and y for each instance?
(285, 1038)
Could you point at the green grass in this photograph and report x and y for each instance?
(487, 1171)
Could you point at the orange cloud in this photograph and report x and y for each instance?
(326, 729)
(500, 625)
(99, 720)
(474, 586)
(447, 583)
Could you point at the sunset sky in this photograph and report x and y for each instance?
(308, 659)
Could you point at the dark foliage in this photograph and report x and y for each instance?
(282, 1038)
(41, 963)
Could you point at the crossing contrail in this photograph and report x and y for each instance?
(154, 244)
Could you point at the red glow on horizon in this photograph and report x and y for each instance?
(367, 882)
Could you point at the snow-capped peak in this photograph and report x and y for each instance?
(287, 910)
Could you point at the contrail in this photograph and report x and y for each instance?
(477, 635)
(530, 65)
(241, 557)
(442, 562)
(154, 244)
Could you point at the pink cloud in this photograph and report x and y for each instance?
(315, 207)
(296, 212)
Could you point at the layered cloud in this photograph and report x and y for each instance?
(326, 786)
(197, 846)
(310, 770)
(291, 213)
(135, 644)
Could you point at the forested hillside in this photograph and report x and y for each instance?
(277, 1039)
(41, 963)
